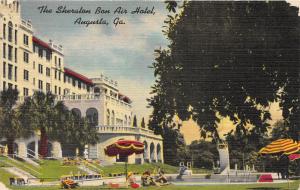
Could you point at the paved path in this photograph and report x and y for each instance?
(3, 187)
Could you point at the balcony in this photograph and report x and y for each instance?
(27, 24)
(96, 96)
(78, 97)
(108, 129)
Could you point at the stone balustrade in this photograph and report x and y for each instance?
(126, 129)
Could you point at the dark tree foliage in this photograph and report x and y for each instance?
(174, 145)
(203, 154)
(10, 126)
(228, 59)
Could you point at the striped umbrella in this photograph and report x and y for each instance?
(281, 146)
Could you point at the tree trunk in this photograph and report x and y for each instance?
(43, 149)
(10, 146)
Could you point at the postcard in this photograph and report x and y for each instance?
(149, 94)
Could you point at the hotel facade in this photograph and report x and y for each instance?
(29, 64)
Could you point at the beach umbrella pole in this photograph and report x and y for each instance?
(126, 167)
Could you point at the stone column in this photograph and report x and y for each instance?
(22, 149)
(36, 148)
(56, 150)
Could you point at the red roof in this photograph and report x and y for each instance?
(124, 98)
(41, 43)
(78, 76)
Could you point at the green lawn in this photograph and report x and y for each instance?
(119, 168)
(284, 186)
(50, 169)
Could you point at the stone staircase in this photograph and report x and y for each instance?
(86, 169)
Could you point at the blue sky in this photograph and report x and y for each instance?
(123, 52)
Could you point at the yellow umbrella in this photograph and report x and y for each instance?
(285, 146)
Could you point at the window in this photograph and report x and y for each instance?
(33, 81)
(79, 84)
(55, 89)
(59, 74)
(33, 65)
(55, 74)
(26, 75)
(48, 87)
(16, 73)
(25, 91)
(55, 60)
(48, 71)
(10, 30)
(4, 69)
(16, 36)
(25, 39)
(10, 52)
(40, 85)
(40, 68)
(40, 52)
(10, 71)
(10, 86)
(4, 85)
(16, 55)
(59, 63)
(59, 90)
(74, 82)
(4, 50)
(26, 57)
(4, 31)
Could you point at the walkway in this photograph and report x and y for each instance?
(3, 187)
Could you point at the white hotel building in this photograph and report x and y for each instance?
(31, 64)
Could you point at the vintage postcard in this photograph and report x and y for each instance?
(149, 94)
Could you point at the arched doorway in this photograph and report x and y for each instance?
(145, 155)
(92, 116)
(158, 152)
(152, 154)
(76, 112)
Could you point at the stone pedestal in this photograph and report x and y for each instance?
(22, 150)
(56, 151)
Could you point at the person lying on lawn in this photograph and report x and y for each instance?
(161, 178)
(147, 180)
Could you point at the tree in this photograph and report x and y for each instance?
(228, 59)
(143, 125)
(279, 130)
(10, 127)
(134, 121)
(55, 122)
(203, 154)
(39, 114)
(76, 132)
(175, 150)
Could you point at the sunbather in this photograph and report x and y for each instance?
(147, 180)
(132, 181)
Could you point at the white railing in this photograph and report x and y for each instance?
(123, 129)
(27, 24)
(78, 97)
(117, 102)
